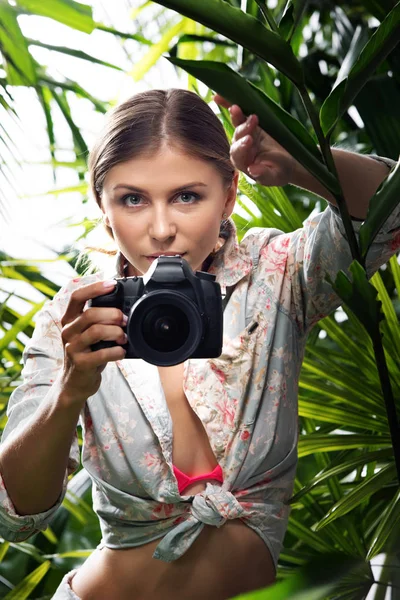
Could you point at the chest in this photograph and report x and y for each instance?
(191, 450)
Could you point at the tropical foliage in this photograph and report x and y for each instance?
(318, 74)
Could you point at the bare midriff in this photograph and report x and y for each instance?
(220, 564)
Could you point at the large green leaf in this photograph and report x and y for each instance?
(390, 325)
(370, 486)
(73, 52)
(384, 40)
(389, 524)
(23, 590)
(340, 415)
(316, 442)
(18, 62)
(243, 29)
(380, 207)
(286, 130)
(360, 295)
(19, 326)
(348, 465)
(74, 14)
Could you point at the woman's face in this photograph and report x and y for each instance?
(167, 203)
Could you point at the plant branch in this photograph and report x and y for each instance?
(330, 163)
(394, 424)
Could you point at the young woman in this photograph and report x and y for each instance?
(192, 465)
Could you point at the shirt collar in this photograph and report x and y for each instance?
(230, 264)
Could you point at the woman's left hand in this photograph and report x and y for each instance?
(255, 152)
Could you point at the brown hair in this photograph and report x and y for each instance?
(148, 119)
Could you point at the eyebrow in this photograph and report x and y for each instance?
(132, 188)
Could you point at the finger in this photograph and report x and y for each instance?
(247, 128)
(91, 316)
(80, 296)
(218, 99)
(100, 358)
(237, 115)
(97, 333)
(243, 153)
(235, 111)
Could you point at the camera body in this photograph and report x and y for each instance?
(173, 313)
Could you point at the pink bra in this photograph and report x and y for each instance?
(184, 480)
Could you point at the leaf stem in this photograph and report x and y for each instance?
(394, 424)
(267, 15)
(330, 163)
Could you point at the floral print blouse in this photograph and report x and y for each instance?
(246, 398)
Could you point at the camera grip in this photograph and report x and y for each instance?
(101, 345)
(110, 300)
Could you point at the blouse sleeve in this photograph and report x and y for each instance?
(43, 357)
(321, 248)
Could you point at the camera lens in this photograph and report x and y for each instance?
(165, 328)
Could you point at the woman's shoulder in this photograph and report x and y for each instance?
(256, 238)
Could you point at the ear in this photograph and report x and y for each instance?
(106, 220)
(232, 193)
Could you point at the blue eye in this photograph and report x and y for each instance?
(136, 200)
(125, 200)
(194, 196)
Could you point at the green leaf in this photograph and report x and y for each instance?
(19, 325)
(380, 207)
(287, 21)
(342, 416)
(70, 13)
(395, 269)
(263, 5)
(79, 142)
(81, 188)
(364, 490)
(142, 66)
(360, 295)
(28, 584)
(18, 62)
(389, 524)
(384, 40)
(44, 96)
(347, 465)
(308, 536)
(349, 347)
(391, 324)
(331, 108)
(315, 581)
(243, 29)
(316, 442)
(73, 52)
(286, 130)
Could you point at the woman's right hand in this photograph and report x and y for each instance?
(255, 152)
(81, 328)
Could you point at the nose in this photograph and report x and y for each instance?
(162, 226)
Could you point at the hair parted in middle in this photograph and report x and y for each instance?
(146, 121)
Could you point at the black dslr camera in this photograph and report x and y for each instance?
(173, 313)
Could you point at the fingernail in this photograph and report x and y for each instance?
(109, 283)
(124, 319)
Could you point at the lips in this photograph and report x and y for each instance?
(166, 254)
